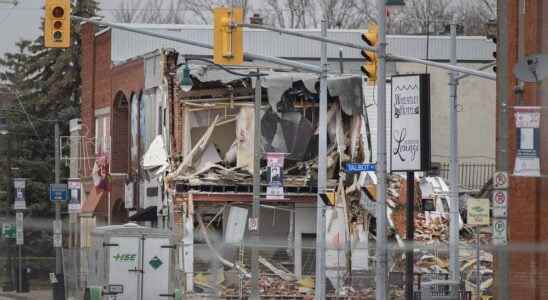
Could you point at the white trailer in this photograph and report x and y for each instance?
(131, 262)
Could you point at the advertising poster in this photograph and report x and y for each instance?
(275, 164)
(528, 138)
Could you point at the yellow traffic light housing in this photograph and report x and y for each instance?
(228, 38)
(371, 38)
(57, 24)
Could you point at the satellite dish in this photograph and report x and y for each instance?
(532, 68)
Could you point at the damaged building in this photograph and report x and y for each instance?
(183, 160)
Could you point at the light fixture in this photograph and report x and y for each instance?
(186, 81)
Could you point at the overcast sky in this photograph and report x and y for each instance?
(23, 21)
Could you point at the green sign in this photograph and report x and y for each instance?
(124, 257)
(9, 231)
(155, 262)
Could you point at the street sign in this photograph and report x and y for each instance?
(8, 231)
(58, 192)
(478, 211)
(19, 238)
(253, 224)
(500, 180)
(57, 227)
(57, 240)
(19, 183)
(358, 168)
(500, 204)
(18, 205)
(500, 227)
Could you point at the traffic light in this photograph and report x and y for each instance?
(228, 38)
(57, 24)
(371, 38)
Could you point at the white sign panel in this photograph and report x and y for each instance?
(19, 238)
(528, 135)
(478, 211)
(406, 137)
(500, 227)
(235, 228)
(500, 204)
(123, 260)
(500, 180)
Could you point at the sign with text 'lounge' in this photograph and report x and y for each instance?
(410, 123)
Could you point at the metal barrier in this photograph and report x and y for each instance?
(472, 176)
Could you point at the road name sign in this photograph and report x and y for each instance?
(358, 168)
(8, 231)
(57, 192)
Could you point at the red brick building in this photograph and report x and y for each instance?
(528, 206)
(106, 92)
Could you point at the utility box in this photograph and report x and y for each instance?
(139, 259)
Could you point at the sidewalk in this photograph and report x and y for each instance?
(32, 295)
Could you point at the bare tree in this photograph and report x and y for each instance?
(417, 17)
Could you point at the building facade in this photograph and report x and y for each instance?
(527, 33)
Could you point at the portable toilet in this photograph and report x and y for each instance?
(131, 262)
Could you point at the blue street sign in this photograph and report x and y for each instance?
(58, 192)
(358, 168)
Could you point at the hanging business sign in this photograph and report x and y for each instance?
(477, 211)
(410, 123)
(528, 139)
(275, 166)
(75, 188)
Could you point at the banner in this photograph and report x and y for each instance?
(527, 161)
(275, 164)
(410, 123)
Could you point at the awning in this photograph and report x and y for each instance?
(147, 214)
(156, 155)
(92, 200)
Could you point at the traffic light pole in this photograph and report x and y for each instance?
(454, 269)
(286, 62)
(322, 174)
(381, 275)
(58, 255)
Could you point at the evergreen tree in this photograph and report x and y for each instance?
(46, 85)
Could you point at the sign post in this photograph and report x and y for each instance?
(20, 205)
(478, 214)
(410, 145)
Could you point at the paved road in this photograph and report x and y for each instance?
(33, 295)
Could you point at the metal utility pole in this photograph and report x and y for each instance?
(58, 258)
(322, 173)
(410, 235)
(454, 269)
(381, 276)
(502, 155)
(256, 211)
